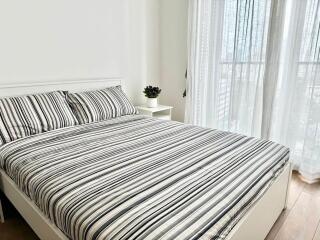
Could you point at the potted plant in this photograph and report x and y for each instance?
(152, 94)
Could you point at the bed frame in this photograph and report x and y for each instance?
(256, 223)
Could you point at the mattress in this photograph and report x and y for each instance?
(136, 177)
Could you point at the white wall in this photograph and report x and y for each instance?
(141, 41)
(136, 50)
(60, 40)
(159, 49)
(45, 40)
(144, 45)
(173, 59)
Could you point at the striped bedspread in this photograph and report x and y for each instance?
(135, 177)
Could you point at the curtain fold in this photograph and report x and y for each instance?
(228, 50)
(253, 68)
(296, 115)
(272, 64)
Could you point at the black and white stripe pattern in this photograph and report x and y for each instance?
(100, 105)
(140, 178)
(32, 114)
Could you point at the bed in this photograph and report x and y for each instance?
(135, 177)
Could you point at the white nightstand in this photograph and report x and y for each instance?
(161, 112)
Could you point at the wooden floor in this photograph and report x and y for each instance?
(14, 228)
(301, 221)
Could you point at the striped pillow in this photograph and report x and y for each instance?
(99, 105)
(32, 114)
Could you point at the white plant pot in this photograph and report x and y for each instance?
(152, 102)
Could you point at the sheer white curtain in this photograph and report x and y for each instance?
(296, 113)
(228, 51)
(251, 71)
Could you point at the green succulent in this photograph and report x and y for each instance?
(151, 92)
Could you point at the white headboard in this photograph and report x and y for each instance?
(78, 85)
